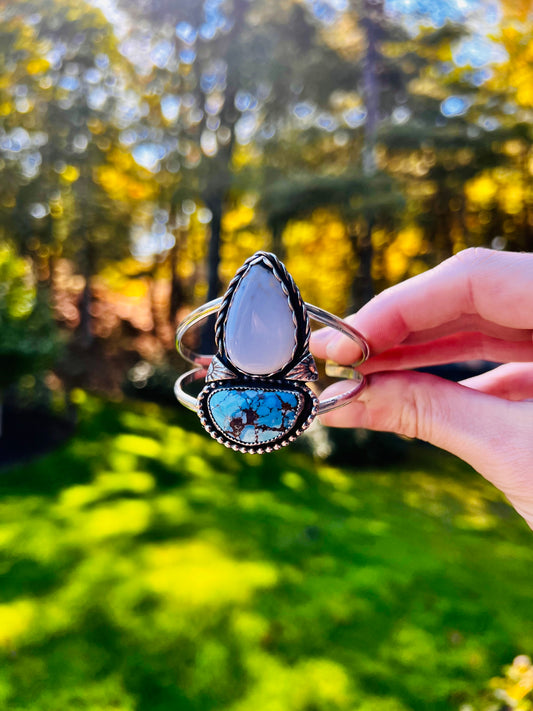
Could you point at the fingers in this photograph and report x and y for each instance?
(512, 381)
(470, 323)
(452, 349)
(478, 304)
(487, 432)
(494, 287)
(320, 340)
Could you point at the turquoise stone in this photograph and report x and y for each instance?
(254, 415)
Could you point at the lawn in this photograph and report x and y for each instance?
(143, 567)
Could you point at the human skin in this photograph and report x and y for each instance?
(475, 305)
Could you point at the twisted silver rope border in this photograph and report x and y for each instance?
(277, 268)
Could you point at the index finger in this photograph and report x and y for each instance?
(496, 286)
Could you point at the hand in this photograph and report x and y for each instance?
(476, 305)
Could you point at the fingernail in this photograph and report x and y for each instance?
(322, 335)
(335, 338)
(343, 349)
(331, 348)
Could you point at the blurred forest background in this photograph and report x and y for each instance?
(147, 148)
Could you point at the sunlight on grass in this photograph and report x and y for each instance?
(141, 446)
(441, 494)
(210, 577)
(143, 567)
(312, 683)
(118, 518)
(14, 621)
(77, 497)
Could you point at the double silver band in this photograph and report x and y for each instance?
(202, 361)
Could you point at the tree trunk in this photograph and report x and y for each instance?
(219, 184)
(51, 272)
(373, 17)
(176, 288)
(277, 240)
(85, 327)
(214, 202)
(366, 253)
(528, 229)
(177, 292)
(152, 296)
(363, 286)
(362, 289)
(526, 241)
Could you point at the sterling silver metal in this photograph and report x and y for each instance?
(211, 307)
(220, 373)
(346, 372)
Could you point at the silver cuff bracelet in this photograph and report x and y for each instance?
(255, 397)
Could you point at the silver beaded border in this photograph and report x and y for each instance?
(284, 439)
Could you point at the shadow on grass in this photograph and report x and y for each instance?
(144, 567)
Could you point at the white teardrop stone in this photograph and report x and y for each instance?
(260, 335)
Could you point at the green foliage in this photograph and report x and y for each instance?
(18, 293)
(353, 193)
(28, 340)
(145, 567)
(276, 104)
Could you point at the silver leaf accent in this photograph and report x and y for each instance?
(218, 371)
(304, 370)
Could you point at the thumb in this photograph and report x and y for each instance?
(486, 431)
(512, 381)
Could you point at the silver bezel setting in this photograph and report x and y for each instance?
(304, 418)
(301, 365)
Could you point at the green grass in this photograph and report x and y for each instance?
(143, 567)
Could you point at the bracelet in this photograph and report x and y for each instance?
(255, 398)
